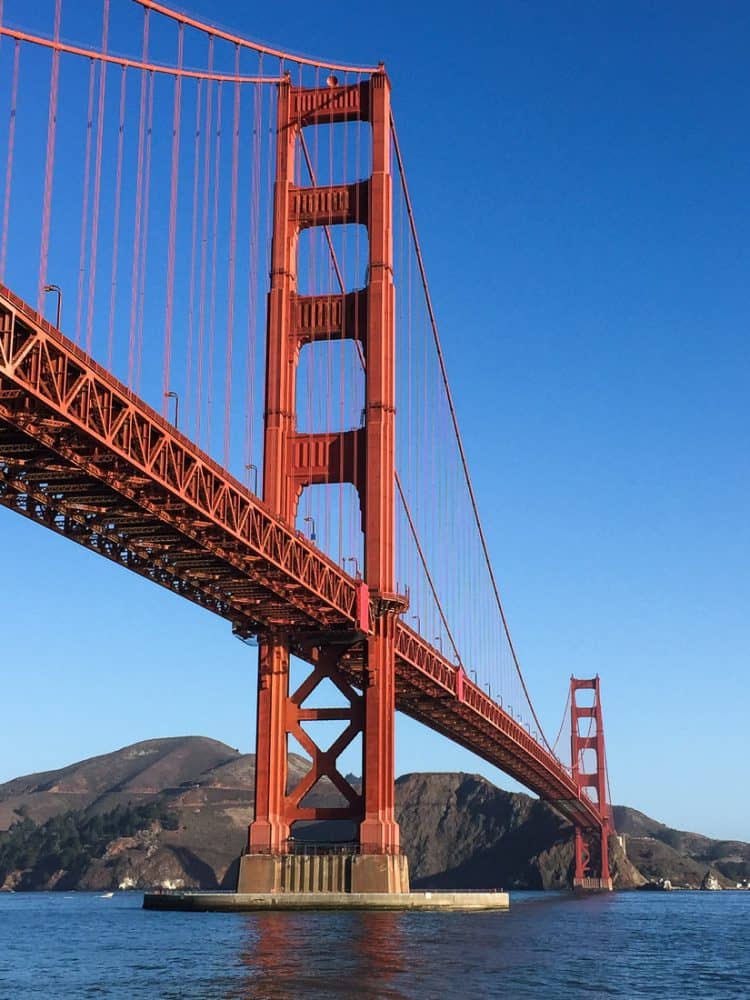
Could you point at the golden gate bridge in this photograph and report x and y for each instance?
(154, 170)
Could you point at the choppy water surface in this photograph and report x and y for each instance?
(630, 945)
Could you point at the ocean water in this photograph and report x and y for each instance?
(630, 945)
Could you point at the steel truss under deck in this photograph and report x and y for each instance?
(84, 456)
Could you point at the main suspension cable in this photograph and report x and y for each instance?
(246, 43)
(454, 419)
(108, 57)
(399, 487)
(562, 724)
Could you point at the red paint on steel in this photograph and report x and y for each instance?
(353, 320)
(137, 222)
(363, 607)
(9, 161)
(144, 242)
(323, 761)
(232, 263)
(96, 203)
(103, 57)
(592, 742)
(213, 276)
(49, 166)
(363, 457)
(194, 215)
(172, 237)
(204, 248)
(456, 429)
(116, 220)
(42, 372)
(245, 43)
(85, 457)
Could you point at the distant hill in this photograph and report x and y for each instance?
(136, 773)
(207, 784)
(461, 832)
(659, 851)
(175, 812)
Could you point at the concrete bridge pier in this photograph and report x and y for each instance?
(321, 873)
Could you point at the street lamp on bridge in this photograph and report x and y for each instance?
(311, 521)
(58, 291)
(352, 559)
(253, 468)
(176, 398)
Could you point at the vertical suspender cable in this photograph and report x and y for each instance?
(361, 356)
(134, 281)
(9, 163)
(97, 185)
(116, 220)
(204, 244)
(454, 420)
(232, 258)
(144, 241)
(193, 256)
(49, 166)
(272, 143)
(214, 260)
(172, 238)
(85, 206)
(253, 265)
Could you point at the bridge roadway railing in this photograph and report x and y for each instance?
(74, 406)
(431, 689)
(154, 502)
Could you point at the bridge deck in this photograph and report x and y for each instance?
(84, 456)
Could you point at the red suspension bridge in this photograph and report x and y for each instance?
(141, 200)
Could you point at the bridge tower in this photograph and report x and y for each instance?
(363, 457)
(593, 740)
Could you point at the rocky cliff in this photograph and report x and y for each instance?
(174, 812)
(683, 858)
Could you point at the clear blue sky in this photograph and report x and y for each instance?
(580, 173)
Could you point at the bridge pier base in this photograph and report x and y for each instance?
(592, 884)
(323, 873)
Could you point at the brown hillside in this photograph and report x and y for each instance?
(458, 830)
(136, 774)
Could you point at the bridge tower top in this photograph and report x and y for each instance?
(365, 456)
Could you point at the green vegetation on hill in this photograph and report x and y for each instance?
(70, 841)
(63, 829)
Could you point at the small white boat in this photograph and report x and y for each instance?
(107, 895)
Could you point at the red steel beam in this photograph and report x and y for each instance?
(85, 457)
(77, 409)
